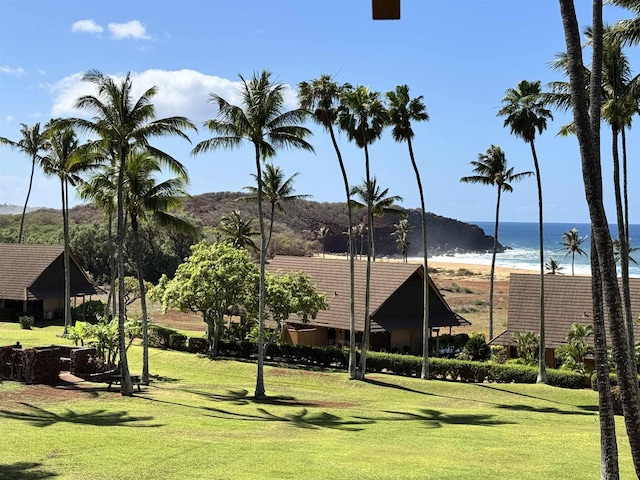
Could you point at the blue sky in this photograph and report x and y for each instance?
(461, 58)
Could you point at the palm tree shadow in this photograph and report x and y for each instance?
(39, 417)
(300, 419)
(24, 471)
(241, 397)
(586, 408)
(558, 411)
(437, 419)
(380, 383)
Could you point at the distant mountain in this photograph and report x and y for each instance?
(6, 209)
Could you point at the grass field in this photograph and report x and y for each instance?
(198, 419)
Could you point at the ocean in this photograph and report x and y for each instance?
(523, 251)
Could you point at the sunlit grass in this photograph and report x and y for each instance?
(198, 419)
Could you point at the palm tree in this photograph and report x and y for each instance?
(31, 143)
(276, 191)
(553, 266)
(404, 110)
(617, 252)
(571, 242)
(491, 169)
(146, 199)
(377, 201)
(63, 158)
(322, 97)
(323, 234)
(121, 122)
(586, 112)
(363, 117)
(525, 114)
(237, 231)
(263, 121)
(401, 233)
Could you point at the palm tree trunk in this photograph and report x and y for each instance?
(493, 264)
(424, 373)
(609, 469)
(126, 387)
(623, 242)
(143, 299)
(260, 391)
(109, 309)
(367, 295)
(542, 365)
(67, 263)
(586, 119)
(352, 308)
(24, 209)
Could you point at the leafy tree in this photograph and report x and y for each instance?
(31, 143)
(527, 346)
(276, 191)
(323, 96)
(122, 122)
(586, 112)
(571, 242)
(576, 349)
(491, 169)
(263, 121)
(476, 348)
(403, 111)
(212, 281)
(525, 114)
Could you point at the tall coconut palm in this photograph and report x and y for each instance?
(571, 242)
(525, 114)
(322, 97)
(276, 190)
(122, 122)
(491, 169)
(403, 111)
(264, 121)
(586, 113)
(401, 233)
(238, 231)
(363, 116)
(373, 198)
(147, 199)
(553, 266)
(32, 144)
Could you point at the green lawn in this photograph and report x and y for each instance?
(198, 420)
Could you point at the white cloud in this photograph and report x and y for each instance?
(133, 29)
(12, 71)
(8, 118)
(180, 93)
(42, 72)
(86, 26)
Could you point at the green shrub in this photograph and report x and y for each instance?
(613, 380)
(498, 354)
(197, 345)
(26, 322)
(159, 336)
(177, 341)
(476, 348)
(92, 310)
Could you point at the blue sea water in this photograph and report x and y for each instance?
(523, 251)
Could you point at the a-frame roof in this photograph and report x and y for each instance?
(35, 272)
(395, 294)
(568, 300)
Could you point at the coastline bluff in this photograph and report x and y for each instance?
(303, 218)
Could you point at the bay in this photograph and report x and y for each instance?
(521, 238)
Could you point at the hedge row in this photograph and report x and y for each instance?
(613, 380)
(407, 365)
(469, 371)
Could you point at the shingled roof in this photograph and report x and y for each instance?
(396, 293)
(567, 300)
(35, 272)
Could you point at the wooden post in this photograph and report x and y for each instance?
(386, 9)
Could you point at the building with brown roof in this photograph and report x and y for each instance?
(567, 300)
(396, 303)
(32, 279)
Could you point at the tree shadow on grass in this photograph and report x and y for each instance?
(242, 397)
(300, 419)
(160, 378)
(586, 408)
(437, 419)
(558, 411)
(24, 471)
(39, 417)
